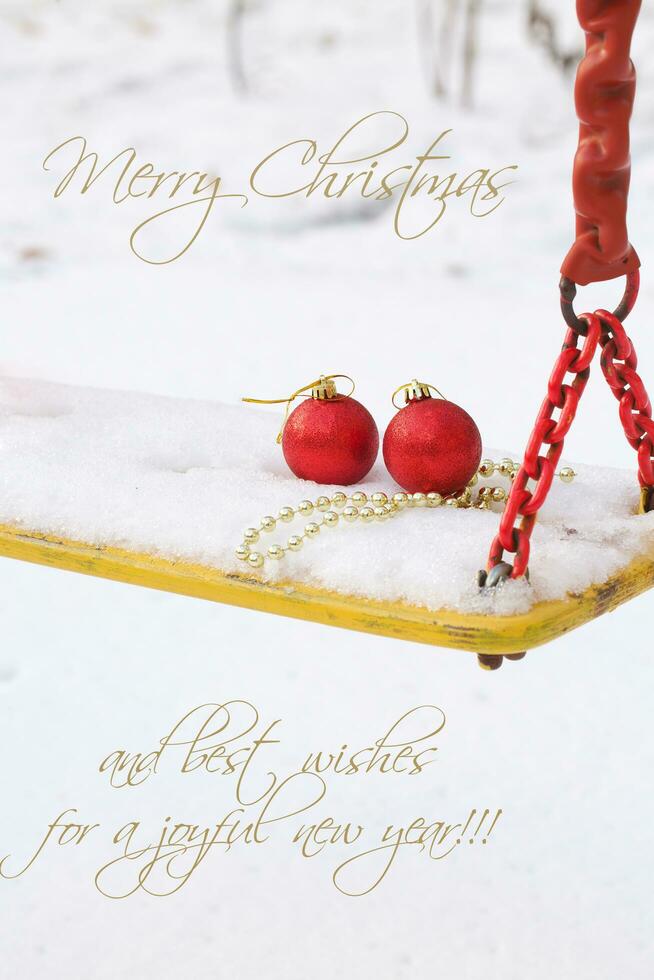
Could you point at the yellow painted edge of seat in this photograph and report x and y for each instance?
(545, 621)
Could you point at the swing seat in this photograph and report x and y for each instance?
(492, 636)
(157, 491)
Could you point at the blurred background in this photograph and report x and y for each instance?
(216, 86)
(265, 298)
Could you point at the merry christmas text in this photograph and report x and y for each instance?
(419, 190)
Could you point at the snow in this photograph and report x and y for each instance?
(182, 479)
(267, 297)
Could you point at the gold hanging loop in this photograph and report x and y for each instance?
(321, 388)
(414, 390)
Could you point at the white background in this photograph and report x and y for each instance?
(264, 299)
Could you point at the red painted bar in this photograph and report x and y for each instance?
(604, 96)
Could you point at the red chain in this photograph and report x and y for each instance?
(604, 94)
(619, 364)
(522, 502)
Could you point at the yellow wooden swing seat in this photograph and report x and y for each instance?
(490, 636)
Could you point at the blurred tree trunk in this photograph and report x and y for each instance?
(541, 30)
(436, 44)
(235, 61)
(447, 35)
(470, 51)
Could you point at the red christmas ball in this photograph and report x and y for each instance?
(432, 445)
(331, 440)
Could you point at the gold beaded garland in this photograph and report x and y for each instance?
(379, 507)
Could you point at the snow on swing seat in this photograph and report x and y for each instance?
(157, 492)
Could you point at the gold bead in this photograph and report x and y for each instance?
(451, 502)
(473, 481)
(339, 499)
(498, 494)
(268, 523)
(275, 551)
(251, 535)
(379, 499)
(418, 499)
(391, 510)
(380, 514)
(486, 467)
(350, 513)
(567, 474)
(400, 499)
(323, 503)
(330, 519)
(242, 552)
(305, 507)
(255, 559)
(312, 529)
(505, 468)
(286, 514)
(359, 498)
(367, 514)
(434, 499)
(295, 542)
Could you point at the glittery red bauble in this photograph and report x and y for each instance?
(432, 445)
(331, 440)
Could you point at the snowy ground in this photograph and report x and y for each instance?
(266, 297)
